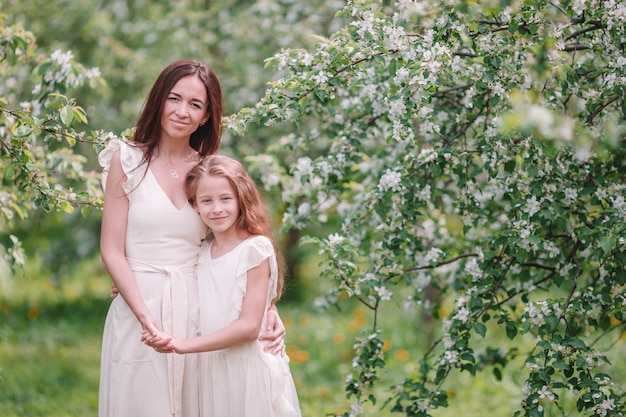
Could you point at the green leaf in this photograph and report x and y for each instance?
(509, 166)
(480, 328)
(67, 115)
(304, 101)
(607, 243)
(511, 329)
(23, 130)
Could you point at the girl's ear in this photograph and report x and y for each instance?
(205, 119)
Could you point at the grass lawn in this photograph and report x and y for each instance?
(50, 353)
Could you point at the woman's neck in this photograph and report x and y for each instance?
(175, 152)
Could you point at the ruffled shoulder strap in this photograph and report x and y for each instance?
(130, 157)
(252, 253)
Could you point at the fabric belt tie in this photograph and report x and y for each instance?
(174, 313)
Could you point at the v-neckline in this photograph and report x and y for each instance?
(211, 258)
(165, 194)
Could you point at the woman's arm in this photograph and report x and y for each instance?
(113, 242)
(244, 329)
(274, 332)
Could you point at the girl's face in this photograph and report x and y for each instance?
(185, 108)
(217, 204)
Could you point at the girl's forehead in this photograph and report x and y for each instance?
(214, 183)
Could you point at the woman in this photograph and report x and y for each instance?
(150, 241)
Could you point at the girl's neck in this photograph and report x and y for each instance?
(227, 241)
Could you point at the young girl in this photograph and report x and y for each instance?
(238, 279)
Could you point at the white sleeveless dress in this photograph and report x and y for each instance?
(162, 246)
(245, 380)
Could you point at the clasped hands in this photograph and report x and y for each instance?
(159, 341)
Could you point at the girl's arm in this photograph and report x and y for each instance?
(245, 329)
(113, 242)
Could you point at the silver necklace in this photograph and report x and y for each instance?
(173, 173)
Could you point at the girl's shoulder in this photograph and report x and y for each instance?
(258, 240)
(253, 251)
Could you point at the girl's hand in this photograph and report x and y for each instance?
(275, 332)
(161, 342)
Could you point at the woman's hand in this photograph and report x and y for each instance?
(114, 291)
(274, 332)
(159, 341)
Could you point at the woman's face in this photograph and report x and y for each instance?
(185, 108)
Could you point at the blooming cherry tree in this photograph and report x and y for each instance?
(472, 150)
(40, 166)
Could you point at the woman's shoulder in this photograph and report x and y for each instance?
(129, 153)
(130, 157)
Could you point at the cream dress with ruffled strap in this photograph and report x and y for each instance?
(162, 246)
(245, 380)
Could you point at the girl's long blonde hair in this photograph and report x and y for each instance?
(254, 217)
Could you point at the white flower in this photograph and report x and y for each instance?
(401, 75)
(397, 109)
(544, 392)
(578, 6)
(304, 167)
(433, 255)
(462, 315)
(321, 77)
(427, 155)
(532, 206)
(619, 203)
(450, 356)
(92, 73)
(570, 196)
(383, 293)
(390, 181)
(307, 59)
(304, 209)
(472, 268)
(356, 409)
(605, 406)
(335, 240)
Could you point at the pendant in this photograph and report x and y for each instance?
(173, 173)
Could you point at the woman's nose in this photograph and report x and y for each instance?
(182, 110)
